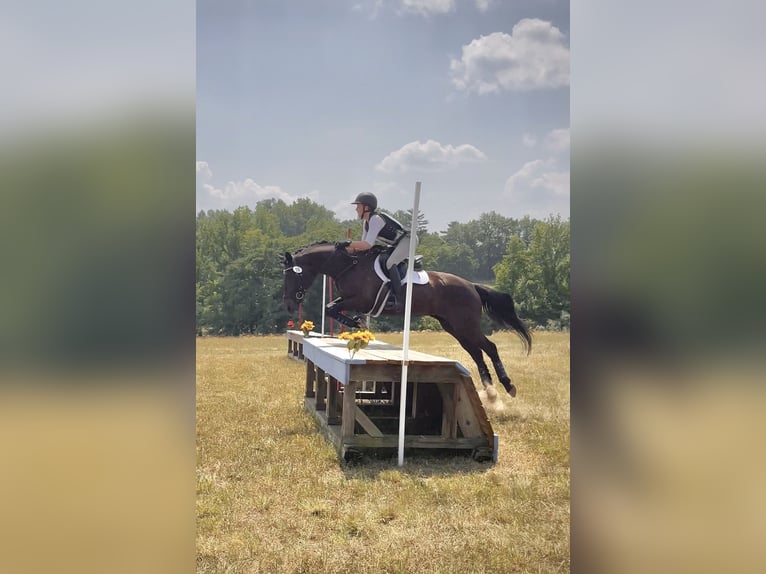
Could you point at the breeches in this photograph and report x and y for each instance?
(400, 252)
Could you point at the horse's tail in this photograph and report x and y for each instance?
(499, 306)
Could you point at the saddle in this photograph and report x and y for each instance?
(385, 300)
(402, 266)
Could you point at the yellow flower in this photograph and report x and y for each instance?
(307, 326)
(356, 340)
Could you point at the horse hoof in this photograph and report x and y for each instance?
(491, 393)
(508, 386)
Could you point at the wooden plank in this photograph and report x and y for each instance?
(333, 401)
(321, 390)
(332, 357)
(478, 409)
(466, 417)
(449, 416)
(349, 411)
(366, 423)
(414, 441)
(416, 373)
(373, 352)
(396, 356)
(310, 378)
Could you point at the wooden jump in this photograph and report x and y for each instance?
(356, 400)
(295, 343)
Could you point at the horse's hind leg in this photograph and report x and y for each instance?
(491, 349)
(475, 351)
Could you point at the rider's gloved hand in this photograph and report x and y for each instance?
(342, 244)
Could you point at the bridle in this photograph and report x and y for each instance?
(301, 291)
(298, 270)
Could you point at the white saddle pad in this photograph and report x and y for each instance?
(418, 277)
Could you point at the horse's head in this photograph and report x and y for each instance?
(297, 280)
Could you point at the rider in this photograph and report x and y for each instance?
(384, 230)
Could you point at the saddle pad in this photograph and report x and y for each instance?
(418, 277)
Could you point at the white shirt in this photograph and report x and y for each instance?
(376, 223)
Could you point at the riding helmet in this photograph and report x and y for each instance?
(368, 199)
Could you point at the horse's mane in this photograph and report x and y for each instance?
(371, 253)
(314, 244)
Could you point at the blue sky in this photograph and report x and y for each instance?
(328, 98)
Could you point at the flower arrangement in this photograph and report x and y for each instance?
(356, 340)
(306, 327)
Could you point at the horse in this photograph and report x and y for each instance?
(453, 301)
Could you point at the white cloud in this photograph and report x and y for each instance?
(203, 171)
(372, 8)
(529, 140)
(483, 5)
(248, 192)
(557, 140)
(540, 188)
(426, 7)
(532, 56)
(236, 193)
(429, 156)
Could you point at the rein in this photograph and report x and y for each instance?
(325, 269)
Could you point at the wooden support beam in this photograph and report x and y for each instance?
(466, 417)
(449, 414)
(349, 410)
(470, 394)
(365, 422)
(310, 379)
(333, 401)
(321, 390)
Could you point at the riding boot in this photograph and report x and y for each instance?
(396, 287)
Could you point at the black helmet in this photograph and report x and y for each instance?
(368, 199)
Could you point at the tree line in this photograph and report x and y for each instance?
(239, 274)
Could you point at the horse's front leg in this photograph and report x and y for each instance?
(334, 309)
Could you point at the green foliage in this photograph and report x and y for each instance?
(239, 275)
(537, 275)
(405, 218)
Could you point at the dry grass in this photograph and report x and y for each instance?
(272, 496)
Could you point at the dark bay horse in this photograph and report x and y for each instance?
(455, 302)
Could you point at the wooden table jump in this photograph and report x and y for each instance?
(356, 400)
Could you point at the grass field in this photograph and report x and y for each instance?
(272, 496)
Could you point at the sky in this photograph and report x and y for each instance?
(328, 98)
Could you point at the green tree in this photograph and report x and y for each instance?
(484, 241)
(405, 218)
(537, 275)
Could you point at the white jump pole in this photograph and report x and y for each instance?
(407, 314)
(324, 289)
